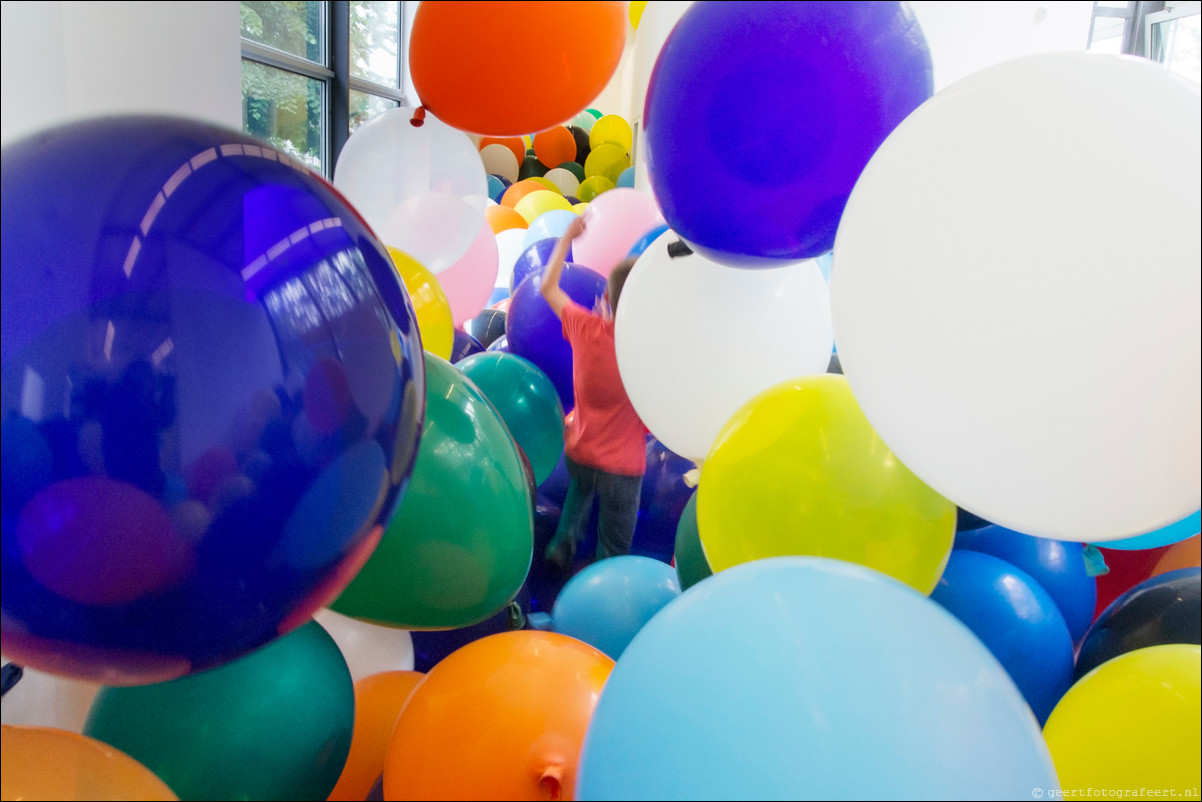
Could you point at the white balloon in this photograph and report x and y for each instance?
(1015, 295)
(422, 189)
(47, 700)
(695, 339)
(367, 648)
(567, 182)
(499, 160)
(511, 243)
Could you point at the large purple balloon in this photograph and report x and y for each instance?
(536, 334)
(533, 260)
(751, 178)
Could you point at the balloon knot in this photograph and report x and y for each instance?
(1095, 561)
(419, 117)
(679, 248)
(692, 477)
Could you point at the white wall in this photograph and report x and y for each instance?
(67, 60)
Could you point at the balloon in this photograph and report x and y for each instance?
(583, 121)
(565, 180)
(1124, 570)
(510, 245)
(275, 724)
(502, 718)
(662, 499)
(1059, 567)
(1111, 445)
(635, 12)
(554, 146)
(378, 702)
(596, 114)
(611, 130)
(513, 144)
(496, 187)
(527, 402)
(608, 602)
(539, 203)
(458, 547)
(1160, 610)
(46, 700)
(691, 564)
(547, 183)
(470, 281)
(1016, 619)
(499, 345)
(783, 180)
(1186, 554)
(44, 763)
(626, 178)
(430, 304)
(1131, 723)
(579, 208)
(607, 161)
(572, 167)
(799, 470)
(367, 648)
(644, 242)
(549, 225)
(593, 186)
(421, 188)
(616, 221)
(1187, 527)
(489, 325)
(465, 346)
(499, 160)
(531, 167)
(536, 334)
(775, 325)
(502, 218)
(581, 135)
(876, 696)
(559, 76)
(220, 410)
(519, 191)
(534, 258)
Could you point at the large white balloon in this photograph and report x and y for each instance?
(695, 340)
(499, 160)
(421, 188)
(367, 648)
(46, 700)
(1015, 295)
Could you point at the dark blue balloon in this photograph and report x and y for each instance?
(500, 344)
(213, 391)
(663, 499)
(536, 334)
(533, 260)
(488, 325)
(464, 346)
(1016, 619)
(1164, 609)
(645, 241)
(429, 648)
(1055, 564)
(765, 179)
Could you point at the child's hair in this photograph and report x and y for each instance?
(617, 279)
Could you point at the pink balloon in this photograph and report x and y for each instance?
(614, 221)
(469, 281)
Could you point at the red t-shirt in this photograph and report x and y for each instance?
(604, 431)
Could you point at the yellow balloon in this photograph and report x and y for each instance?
(591, 187)
(541, 202)
(611, 130)
(636, 12)
(45, 763)
(800, 470)
(579, 208)
(430, 304)
(606, 160)
(1132, 724)
(546, 182)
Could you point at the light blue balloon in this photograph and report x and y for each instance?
(496, 188)
(549, 225)
(810, 678)
(607, 603)
(626, 178)
(1187, 527)
(824, 262)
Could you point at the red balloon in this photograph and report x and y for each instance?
(1127, 569)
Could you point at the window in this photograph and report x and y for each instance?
(1174, 38)
(312, 72)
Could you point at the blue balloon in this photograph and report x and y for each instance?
(533, 260)
(763, 185)
(216, 353)
(497, 184)
(549, 225)
(645, 241)
(430, 647)
(825, 262)
(498, 294)
(626, 178)
(1016, 618)
(662, 500)
(607, 603)
(1056, 565)
(536, 334)
(500, 344)
(464, 346)
(809, 678)
(1187, 527)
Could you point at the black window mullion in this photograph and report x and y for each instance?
(340, 62)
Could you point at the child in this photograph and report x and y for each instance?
(604, 439)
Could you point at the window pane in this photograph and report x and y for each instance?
(1108, 34)
(293, 27)
(375, 39)
(1182, 40)
(365, 106)
(284, 109)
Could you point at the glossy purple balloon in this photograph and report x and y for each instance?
(532, 260)
(751, 178)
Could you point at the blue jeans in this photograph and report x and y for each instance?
(619, 513)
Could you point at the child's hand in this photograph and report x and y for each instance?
(575, 229)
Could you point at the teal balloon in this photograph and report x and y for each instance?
(458, 547)
(810, 678)
(1175, 532)
(275, 724)
(691, 563)
(527, 402)
(626, 177)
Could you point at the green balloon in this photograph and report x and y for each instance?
(531, 167)
(691, 564)
(528, 404)
(575, 169)
(595, 113)
(275, 724)
(458, 547)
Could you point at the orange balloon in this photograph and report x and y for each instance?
(554, 147)
(1186, 554)
(452, 57)
(378, 701)
(502, 218)
(514, 143)
(501, 718)
(521, 189)
(44, 763)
